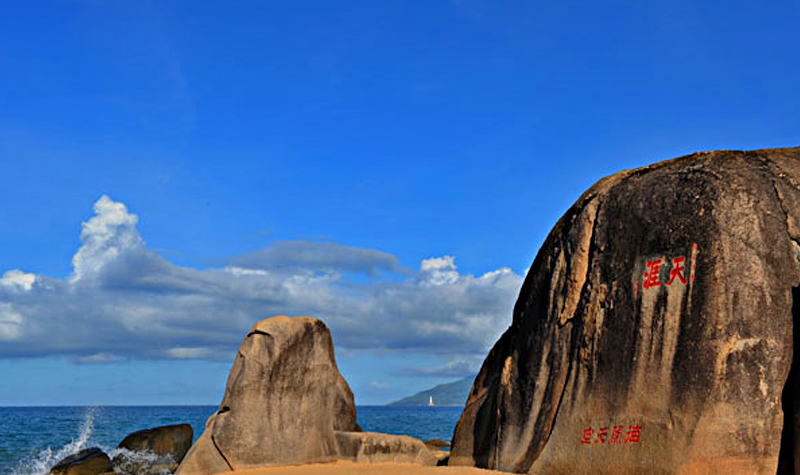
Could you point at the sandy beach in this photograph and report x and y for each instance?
(351, 468)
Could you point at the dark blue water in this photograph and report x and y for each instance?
(32, 439)
(424, 423)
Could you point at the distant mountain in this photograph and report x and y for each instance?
(448, 394)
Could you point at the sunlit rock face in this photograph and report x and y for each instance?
(283, 401)
(654, 331)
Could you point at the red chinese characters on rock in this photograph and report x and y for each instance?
(617, 436)
(634, 435)
(651, 275)
(677, 271)
(601, 436)
(587, 436)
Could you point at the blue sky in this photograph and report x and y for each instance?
(389, 167)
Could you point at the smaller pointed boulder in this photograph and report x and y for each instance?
(283, 401)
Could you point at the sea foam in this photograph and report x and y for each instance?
(41, 463)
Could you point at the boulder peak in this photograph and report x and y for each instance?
(283, 401)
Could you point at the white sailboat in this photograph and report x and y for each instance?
(430, 401)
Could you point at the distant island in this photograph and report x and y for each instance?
(448, 394)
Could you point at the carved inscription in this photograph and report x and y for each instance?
(614, 435)
(668, 272)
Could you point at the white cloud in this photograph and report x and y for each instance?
(183, 353)
(497, 276)
(379, 385)
(124, 301)
(18, 280)
(438, 271)
(109, 233)
(239, 271)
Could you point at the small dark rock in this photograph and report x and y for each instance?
(153, 451)
(91, 461)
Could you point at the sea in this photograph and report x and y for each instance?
(33, 439)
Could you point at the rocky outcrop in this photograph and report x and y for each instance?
(437, 443)
(173, 440)
(371, 447)
(654, 330)
(91, 461)
(204, 457)
(153, 450)
(344, 407)
(283, 401)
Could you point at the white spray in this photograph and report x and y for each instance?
(41, 464)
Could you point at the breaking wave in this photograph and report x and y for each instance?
(40, 465)
(127, 462)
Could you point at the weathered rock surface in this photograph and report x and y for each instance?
(654, 331)
(371, 447)
(91, 461)
(283, 401)
(153, 450)
(204, 457)
(173, 440)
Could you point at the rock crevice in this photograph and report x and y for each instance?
(222, 454)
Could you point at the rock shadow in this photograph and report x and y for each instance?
(789, 455)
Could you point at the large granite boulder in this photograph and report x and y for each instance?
(91, 461)
(283, 401)
(153, 450)
(654, 331)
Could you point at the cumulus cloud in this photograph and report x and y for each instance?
(18, 280)
(111, 232)
(124, 301)
(439, 271)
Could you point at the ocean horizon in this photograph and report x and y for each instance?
(34, 438)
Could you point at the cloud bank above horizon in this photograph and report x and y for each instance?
(123, 301)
